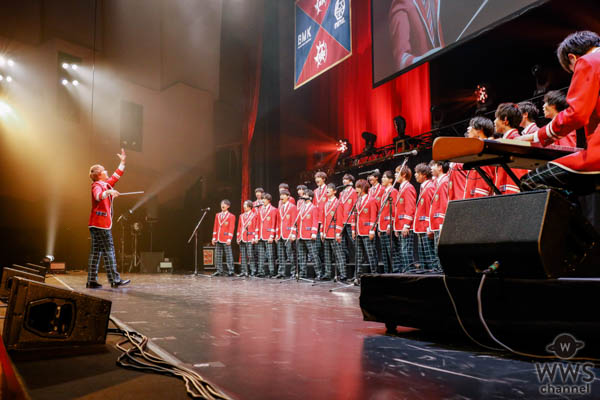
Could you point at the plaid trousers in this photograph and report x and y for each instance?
(403, 251)
(247, 256)
(551, 176)
(266, 249)
(102, 247)
(426, 248)
(436, 241)
(386, 253)
(303, 246)
(347, 242)
(219, 249)
(285, 255)
(332, 246)
(368, 246)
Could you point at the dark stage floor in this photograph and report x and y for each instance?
(262, 339)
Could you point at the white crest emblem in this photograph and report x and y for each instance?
(340, 8)
(321, 53)
(318, 5)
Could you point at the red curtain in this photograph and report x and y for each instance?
(341, 103)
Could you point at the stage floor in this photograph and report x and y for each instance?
(263, 339)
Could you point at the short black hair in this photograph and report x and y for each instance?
(226, 202)
(321, 174)
(332, 186)
(249, 203)
(528, 107)
(444, 164)
(309, 193)
(259, 189)
(389, 175)
(557, 99)
(375, 174)
(284, 191)
(301, 187)
(578, 43)
(349, 177)
(268, 196)
(284, 186)
(510, 112)
(423, 169)
(482, 124)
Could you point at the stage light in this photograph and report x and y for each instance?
(481, 94)
(2, 61)
(65, 65)
(369, 139)
(342, 146)
(75, 82)
(74, 67)
(64, 82)
(10, 62)
(48, 258)
(9, 79)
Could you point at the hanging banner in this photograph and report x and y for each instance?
(323, 37)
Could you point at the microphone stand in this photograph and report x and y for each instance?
(195, 236)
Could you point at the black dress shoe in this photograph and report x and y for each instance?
(230, 274)
(120, 283)
(260, 275)
(93, 285)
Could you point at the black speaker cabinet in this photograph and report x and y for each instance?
(41, 316)
(532, 235)
(7, 279)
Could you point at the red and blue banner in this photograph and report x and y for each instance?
(323, 37)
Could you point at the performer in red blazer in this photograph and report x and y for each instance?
(439, 203)
(384, 220)
(554, 102)
(222, 236)
(508, 119)
(100, 224)
(415, 30)
(320, 198)
(481, 128)
(267, 228)
(404, 213)
(578, 53)
(425, 243)
(348, 200)
(457, 179)
(286, 232)
(331, 234)
(364, 228)
(246, 231)
(376, 190)
(308, 226)
(530, 113)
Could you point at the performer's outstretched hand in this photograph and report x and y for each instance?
(122, 156)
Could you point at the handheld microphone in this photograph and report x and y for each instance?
(343, 186)
(369, 172)
(407, 153)
(205, 209)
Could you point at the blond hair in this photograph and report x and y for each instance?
(95, 171)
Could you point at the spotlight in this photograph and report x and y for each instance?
(344, 148)
(9, 79)
(481, 94)
(48, 258)
(10, 62)
(64, 82)
(369, 139)
(74, 67)
(65, 65)
(75, 82)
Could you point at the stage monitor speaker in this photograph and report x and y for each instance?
(7, 279)
(150, 261)
(532, 235)
(41, 316)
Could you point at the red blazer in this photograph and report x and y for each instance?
(366, 210)
(505, 183)
(286, 221)
(529, 129)
(224, 227)
(348, 199)
(476, 186)
(320, 198)
(101, 215)
(511, 134)
(583, 111)
(569, 141)
(308, 221)
(439, 203)
(267, 222)
(331, 222)
(411, 34)
(247, 227)
(423, 207)
(385, 219)
(405, 207)
(457, 181)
